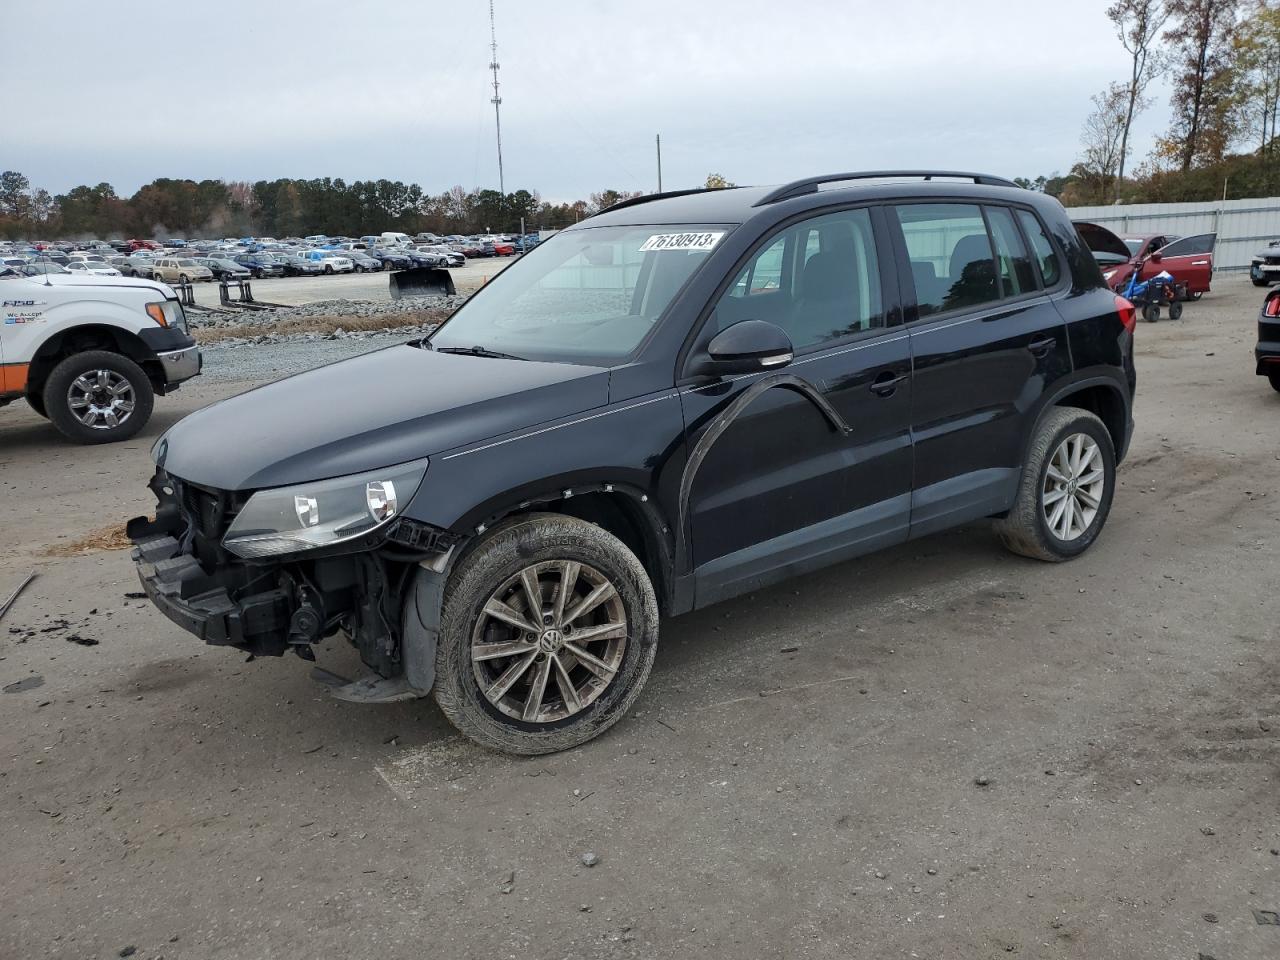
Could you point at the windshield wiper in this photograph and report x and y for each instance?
(478, 352)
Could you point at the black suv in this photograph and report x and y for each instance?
(684, 398)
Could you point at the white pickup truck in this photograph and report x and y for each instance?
(90, 353)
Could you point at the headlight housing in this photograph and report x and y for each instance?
(308, 516)
(168, 313)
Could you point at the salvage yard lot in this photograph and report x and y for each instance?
(939, 751)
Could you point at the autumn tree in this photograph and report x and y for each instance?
(716, 182)
(1257, 55)
(1201, 63)
(1138, 24)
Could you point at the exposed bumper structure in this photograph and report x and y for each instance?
(178, 586)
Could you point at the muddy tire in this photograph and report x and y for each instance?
(533, 684)
(1060, 509)
(98, 397)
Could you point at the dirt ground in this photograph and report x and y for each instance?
(1123, 712)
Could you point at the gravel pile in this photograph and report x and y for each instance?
(327, 320)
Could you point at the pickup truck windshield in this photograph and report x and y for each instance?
(587, 295)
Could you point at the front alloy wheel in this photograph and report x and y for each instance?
(98, 397)
(549, 641)
(548, 631)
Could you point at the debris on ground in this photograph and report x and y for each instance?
(589, 859)
(26, 683)
(4, 607)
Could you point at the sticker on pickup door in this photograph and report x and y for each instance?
(682, 241)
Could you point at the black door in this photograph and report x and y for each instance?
(782, 490)
(986, 342)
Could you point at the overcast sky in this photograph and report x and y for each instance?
(761, 92)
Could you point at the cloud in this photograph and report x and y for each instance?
(400, 89)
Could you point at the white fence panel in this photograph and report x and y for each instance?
(1242, 226)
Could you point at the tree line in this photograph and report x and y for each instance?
(280, 208)
(1222, 61)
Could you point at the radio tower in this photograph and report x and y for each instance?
(497, 100)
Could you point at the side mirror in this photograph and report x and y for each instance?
(746, 347)
(1155, 257)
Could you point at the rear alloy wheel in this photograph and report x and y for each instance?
(98, 397)
(1274, 378)
(1065, 492)
(182, 278)
(549, 629)
(328, 268)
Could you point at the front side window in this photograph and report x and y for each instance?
(586, 295)
(950, 256)
(819, 280)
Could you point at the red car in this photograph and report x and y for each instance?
(1188, 259)
(502, 248)
(143, 245)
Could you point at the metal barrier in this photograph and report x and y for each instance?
(186, 293)
(243, 290)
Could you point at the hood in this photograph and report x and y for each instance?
(97, 280)
(1101, 240)
(380, 409)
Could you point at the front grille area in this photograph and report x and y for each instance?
(209, 514)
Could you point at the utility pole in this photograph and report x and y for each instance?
(497, 100)
(658, 139)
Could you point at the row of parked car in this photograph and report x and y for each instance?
(182, 261)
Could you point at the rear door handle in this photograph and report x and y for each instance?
(1040, 347)
(886, 385)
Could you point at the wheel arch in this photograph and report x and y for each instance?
(621, 508)
(80, 338)
(1102, 396)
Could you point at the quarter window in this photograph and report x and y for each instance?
(1050, 268)
(1017, 276)
(950, 256)
(819, 280)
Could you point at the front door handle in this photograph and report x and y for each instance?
(886, 385)
(1040, 347)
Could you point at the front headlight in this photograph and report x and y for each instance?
(168, 313)
(292, 519)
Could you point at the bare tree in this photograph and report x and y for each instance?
(1138, 24)
(1101, 141)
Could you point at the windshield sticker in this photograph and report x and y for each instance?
(682, 241)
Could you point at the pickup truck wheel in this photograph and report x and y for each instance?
(548, 632)
(1274, 378)
(98, 397)
(1065, 492)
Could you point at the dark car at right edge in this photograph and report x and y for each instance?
(682, 399)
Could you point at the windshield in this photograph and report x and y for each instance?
(584, 295)
(1134, 246)
(187, 263)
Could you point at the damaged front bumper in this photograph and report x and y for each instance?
(181, 590)
(266, 607)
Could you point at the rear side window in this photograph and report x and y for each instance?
(1050, 267)
(1017, 276)
(950, 256)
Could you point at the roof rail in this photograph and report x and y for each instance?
(645, 198)
(798, 188)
